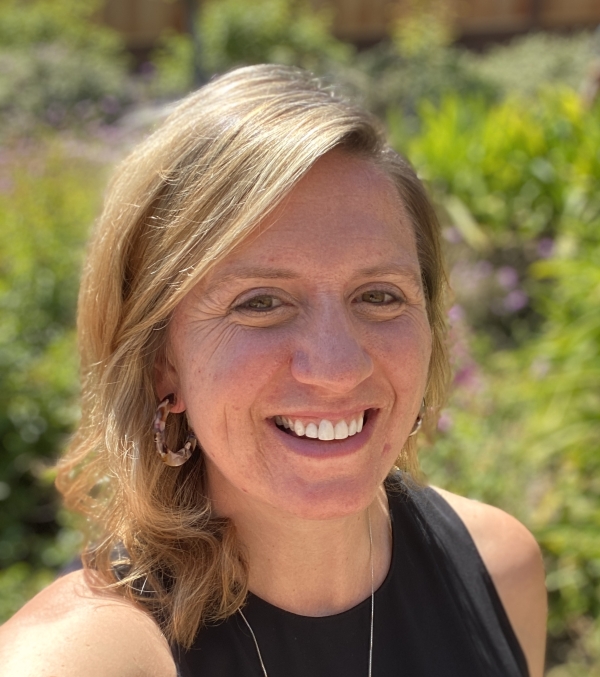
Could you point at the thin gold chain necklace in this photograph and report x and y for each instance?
(260, 658)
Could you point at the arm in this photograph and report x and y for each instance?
(69, 630)
(514, 562)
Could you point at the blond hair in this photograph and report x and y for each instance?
(183, 199)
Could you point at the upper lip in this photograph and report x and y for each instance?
(323, 414)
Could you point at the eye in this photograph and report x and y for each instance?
(379, 304)
(377, 297)
(261, 303)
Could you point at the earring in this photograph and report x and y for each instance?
(172, 458)
(419, 422)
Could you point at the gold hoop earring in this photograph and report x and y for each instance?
(171, 458)
(419, 421)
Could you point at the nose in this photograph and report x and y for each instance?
(330, 353)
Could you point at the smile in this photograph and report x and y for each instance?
(322, 429)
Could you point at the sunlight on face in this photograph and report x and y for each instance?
(302, 357)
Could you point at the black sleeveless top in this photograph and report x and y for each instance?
(437, 614)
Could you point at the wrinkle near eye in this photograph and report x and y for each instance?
(220, 336)
(204, 307)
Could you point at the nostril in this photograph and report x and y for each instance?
(336, 369)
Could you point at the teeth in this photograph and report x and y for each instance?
(325, 430)
(312, 430)
(341, 430)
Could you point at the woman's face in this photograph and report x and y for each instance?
(315, 326)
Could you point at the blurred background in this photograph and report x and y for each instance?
(494, 103)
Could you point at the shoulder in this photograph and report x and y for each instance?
(72, 629)
(514, 562)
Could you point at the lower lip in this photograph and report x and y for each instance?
(315, 448)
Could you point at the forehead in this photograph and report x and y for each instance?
(344, 213)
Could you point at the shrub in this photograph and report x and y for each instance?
(512, 181)
(48, 197)
(418, 62)
(55, 68)
(516, 184)
(535, 61)
(235, 33)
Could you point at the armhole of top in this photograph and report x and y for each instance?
(443, 526)
(433, 504)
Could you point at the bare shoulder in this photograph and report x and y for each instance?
(514, 561)
(72, 629)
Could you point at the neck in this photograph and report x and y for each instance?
(314, 567)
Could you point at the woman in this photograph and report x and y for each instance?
(263, 309)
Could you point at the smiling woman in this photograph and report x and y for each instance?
(263, 305)
(292, 327)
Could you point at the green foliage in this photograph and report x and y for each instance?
(235, 33)
(424, 26)
(512, 179)
(417, 63)
(420, 63)
(280, 31)
(534, 60)
(513, 167)
(48, 198)
(565, 430)
(517, 188)
(30, 22)
(173, 63)
(18, 584)
(54, 68)
(394, 75)
(520, 164)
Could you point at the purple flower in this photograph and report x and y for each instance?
(467, 377)
(445, 422)
(469, 276)
(451, 234)
(147, 69)
(545, 247)
(456, 314)
(515, 300)
(110, 105)
(507, 277)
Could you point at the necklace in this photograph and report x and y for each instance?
(260, 658)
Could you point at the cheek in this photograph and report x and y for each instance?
(229, 367)
(403, 349)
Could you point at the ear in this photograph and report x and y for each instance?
(166, 381)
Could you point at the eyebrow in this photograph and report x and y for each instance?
(393, 269)
(256, 273)
(266, 273)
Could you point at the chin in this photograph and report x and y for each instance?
(328, 498)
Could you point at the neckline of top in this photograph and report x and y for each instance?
(257, 601)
